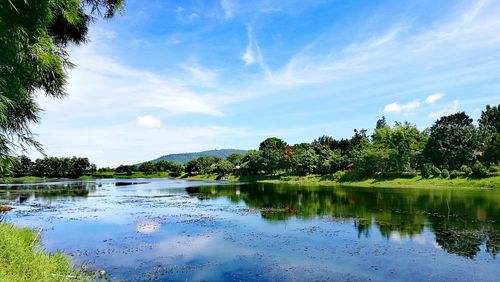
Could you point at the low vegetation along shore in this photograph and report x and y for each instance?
(22, 260)
(374, 182)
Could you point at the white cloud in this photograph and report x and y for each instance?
(199, 73)
(228, 6)
(108, 99)
(431, 52)
(253, 53)
(173, 39)
(405, 109)
(248, 57)
(448, 110)
(433, 98)
(193, 16)
(149, 122)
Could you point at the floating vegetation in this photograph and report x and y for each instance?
(5, 208)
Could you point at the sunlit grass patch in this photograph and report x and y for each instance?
(21, 259)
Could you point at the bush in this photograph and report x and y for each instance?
(466, 170)
(425, 171)
(436, 172)
(494, 169)
(479, 170)
(445, 173)
(456, 173)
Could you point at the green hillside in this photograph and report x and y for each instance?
(185, 157)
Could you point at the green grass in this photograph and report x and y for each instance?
(415, 182)
(337, 179)
(22, 260)
(345, 179)
(97, 175)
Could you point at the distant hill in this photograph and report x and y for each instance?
(186, 157)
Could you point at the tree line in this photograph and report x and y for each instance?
(453, 146)
(52, 167)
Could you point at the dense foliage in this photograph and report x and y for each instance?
(52, 167)
(452, 147)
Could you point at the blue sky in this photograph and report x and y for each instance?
(176, 76)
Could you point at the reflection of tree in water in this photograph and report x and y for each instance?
(461, 220)
(493, 242)
(66, 190)
(461, 242)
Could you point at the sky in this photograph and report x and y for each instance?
(181, 76)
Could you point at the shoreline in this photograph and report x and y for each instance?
(309, 180)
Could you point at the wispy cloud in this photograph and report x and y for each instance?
(433, 98)
(405, 109)
(248, 57)
(119, 95)
(228, 7)
(395, 49)
(149, 122)
(201, 75)
(447, 110)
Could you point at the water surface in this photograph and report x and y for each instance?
(185, 230)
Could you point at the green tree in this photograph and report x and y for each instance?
(176, 170)
(78, 167)
(452, 141)
(22, 166)
(328, 161)
(252, 163)
(370, 160)
(304, 159)
(222, 167)
(34, 35)
(201, 165)
(147, 168)
(235, 159)
(489, 128)
(272, 150)
(405, 143)
(125, 169)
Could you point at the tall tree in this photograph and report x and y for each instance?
(489, 128)
(272, 150)
(405, 143)
(452, 141)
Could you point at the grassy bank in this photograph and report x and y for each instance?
(22, 260)
(415, 182)
(383, 182)
(99, 175)
(338, 179)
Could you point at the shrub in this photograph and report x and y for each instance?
(466, 170)
(455, 174)
(479, 170)
(445, 173)
(425, 171)
(494, 169)
(436, 172)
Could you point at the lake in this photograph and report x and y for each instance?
(159, 229)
